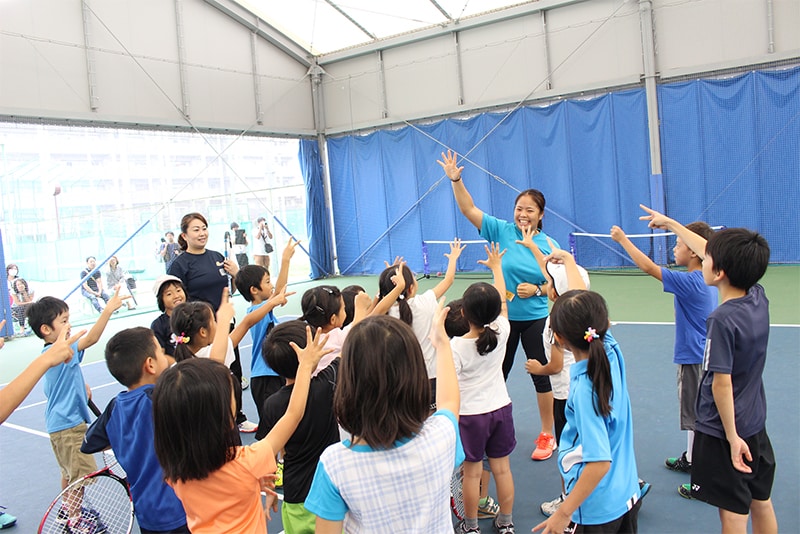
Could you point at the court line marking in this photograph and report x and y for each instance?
(34, 404)
(26, 430)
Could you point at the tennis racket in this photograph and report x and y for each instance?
(456, 492)
(99, 503)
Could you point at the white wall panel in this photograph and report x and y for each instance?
(285, 91)
(352, 93)
(504, 61)
(43, 70)
(698, 36)
(42, 60)
(786, 16)
(594, 43)
(421, 78)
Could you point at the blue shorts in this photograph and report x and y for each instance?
(487, 434)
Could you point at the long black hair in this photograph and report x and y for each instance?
(581, 318)
(482, 305)
(385, 286)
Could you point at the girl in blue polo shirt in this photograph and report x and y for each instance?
(595, 457)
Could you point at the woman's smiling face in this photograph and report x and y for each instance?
(196, 234)
(527, 212)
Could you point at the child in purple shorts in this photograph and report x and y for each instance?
(486, 424)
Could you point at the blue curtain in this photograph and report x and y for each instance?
(317, 222)
(730, 156)
(590, 159)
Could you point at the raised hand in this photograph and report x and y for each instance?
(226, 310)
(279, 298)
(656, 219)
(456, 248)
(288, 250)
(115, 302)
(494, 257)
(61, 351)
(314, 349)
(397, 261)
(617, 234)
(448, 163)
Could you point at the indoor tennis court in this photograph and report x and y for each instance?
(324, 120)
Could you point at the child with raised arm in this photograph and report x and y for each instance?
(67, 410)
(734, 464)
(595, 454)
(196, 442)
(399, 453)
(255, 285)
(694, 300)
(135, 358)
(486, 423)
(417, 309)
(317, 430)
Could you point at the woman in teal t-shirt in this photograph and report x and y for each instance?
(526, 295)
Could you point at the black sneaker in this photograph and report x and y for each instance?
(685, 491)
(461, 528)
(679, 464)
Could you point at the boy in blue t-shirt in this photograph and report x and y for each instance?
(694, 300)
(735, 463)
(253, 282)
(67, 410)
(135, 358)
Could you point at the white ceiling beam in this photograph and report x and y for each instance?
(446, 28)
(264, 30)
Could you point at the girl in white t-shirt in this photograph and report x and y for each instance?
(417, 310)
(486, 423)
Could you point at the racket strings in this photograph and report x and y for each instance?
(99, 504)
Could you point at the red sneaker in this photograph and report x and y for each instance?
(545, 445)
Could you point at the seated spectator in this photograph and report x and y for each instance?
(118, 276)
(92, 287)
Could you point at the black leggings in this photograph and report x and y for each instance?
(531, 334)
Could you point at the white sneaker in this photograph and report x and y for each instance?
(248, 427)
(550, 507)
(245, 383)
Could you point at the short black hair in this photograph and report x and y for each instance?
(741, 253)
(277, 352)
(126, 353)
(44, 312)
(164, 286)
(250, 276)
(319, 303)
(90, 258)
(455, 324)
(234, 225)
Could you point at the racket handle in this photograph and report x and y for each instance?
(93, 407)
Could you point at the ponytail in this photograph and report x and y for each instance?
(599, 371)
(187, 320)
(487, 340)
(385, 286)
(581, 318)
(185, 220)
(482, 305)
